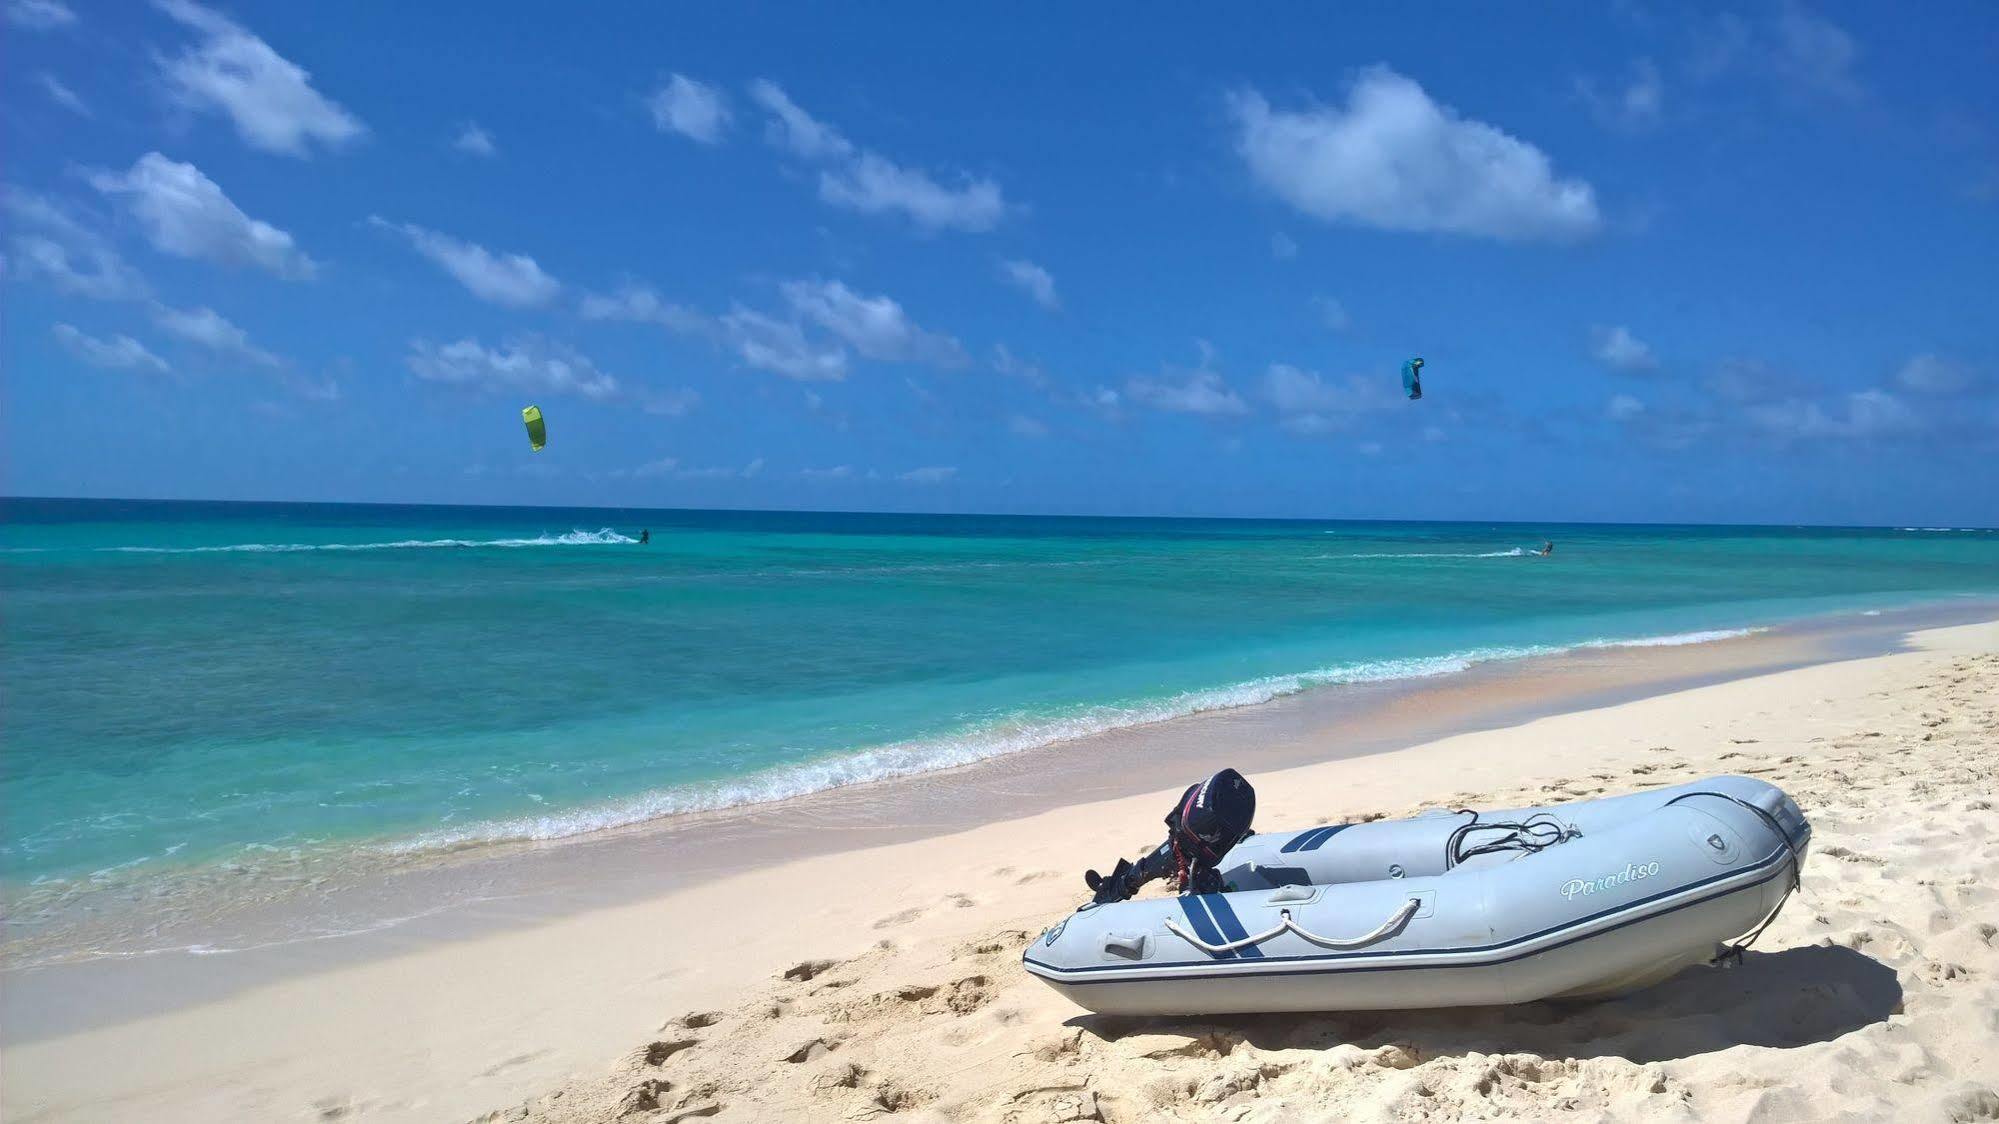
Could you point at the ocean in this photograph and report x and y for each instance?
(193, 687)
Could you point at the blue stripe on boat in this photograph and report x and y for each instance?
(1230, 924)
(1311, 840)
(1323, 834)
(1297, 841)
(1204, 925)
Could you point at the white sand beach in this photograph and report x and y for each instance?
(885, 983)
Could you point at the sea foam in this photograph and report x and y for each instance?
(979, 743)
(602, 537)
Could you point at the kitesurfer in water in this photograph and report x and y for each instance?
(1547, 548)
(645, 536)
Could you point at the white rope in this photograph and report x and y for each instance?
(1232, 945)
(1395, 922)
(1400, 918)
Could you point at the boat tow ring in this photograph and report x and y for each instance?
(1394, 922)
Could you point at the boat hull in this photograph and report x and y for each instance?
(1649, 884)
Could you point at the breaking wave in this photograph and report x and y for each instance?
(988, 740)
(1676, 639)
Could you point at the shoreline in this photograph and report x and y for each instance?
(531, 1002)
(220, 906)
(351, 891)
(161, 960)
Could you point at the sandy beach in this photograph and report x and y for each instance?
(885, 983)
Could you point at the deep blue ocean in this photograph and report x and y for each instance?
(192, 684)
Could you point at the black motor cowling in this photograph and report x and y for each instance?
(1209, 819)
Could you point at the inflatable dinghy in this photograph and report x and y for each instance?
(1446, 909)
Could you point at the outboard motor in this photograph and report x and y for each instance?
(1210, 818)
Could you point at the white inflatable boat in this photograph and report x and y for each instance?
(1447, 909)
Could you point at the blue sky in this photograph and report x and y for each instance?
(1733, 263)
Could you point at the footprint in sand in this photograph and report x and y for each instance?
(901, 917)
(1003, 943)
(843, 1076)
(809, 969)
(656, 1053)
(813, 1050)
(644, 1096)
(509, 1063)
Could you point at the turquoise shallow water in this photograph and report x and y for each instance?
(198, 684)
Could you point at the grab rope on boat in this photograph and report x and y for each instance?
(1400, 918)
(1731, 954)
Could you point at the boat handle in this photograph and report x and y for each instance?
(1396, 921)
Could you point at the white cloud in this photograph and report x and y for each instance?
(795, 130)
(780, 346)
(693, 109)
(475, 141)
(1311, 404)
(722, 472)
(808, 341)
(207, 328)
(269, 98)
(40, 15)
(1189, 392)
(1282, 247)
(184, 213)
(870, 183)
(46, 243)
(667, 403)
(664, 466)
(932, 474)
(873, 185)
(514, 280)
(712, 472)
(119, 353)
(837, 472)
(641, 304)
(1296, 391)
(1332, 313)
(1033, 280)
(1637, 104)
(1814, 54)
(1021, 425)
(1615, 347)
(526, 364)
(62, 95)
(1932, 374)
(671, 467)
(1005, 362)
(1809, 55)
(1623, 407)
(876, 326)
(1860, 415)
(1392, 158)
